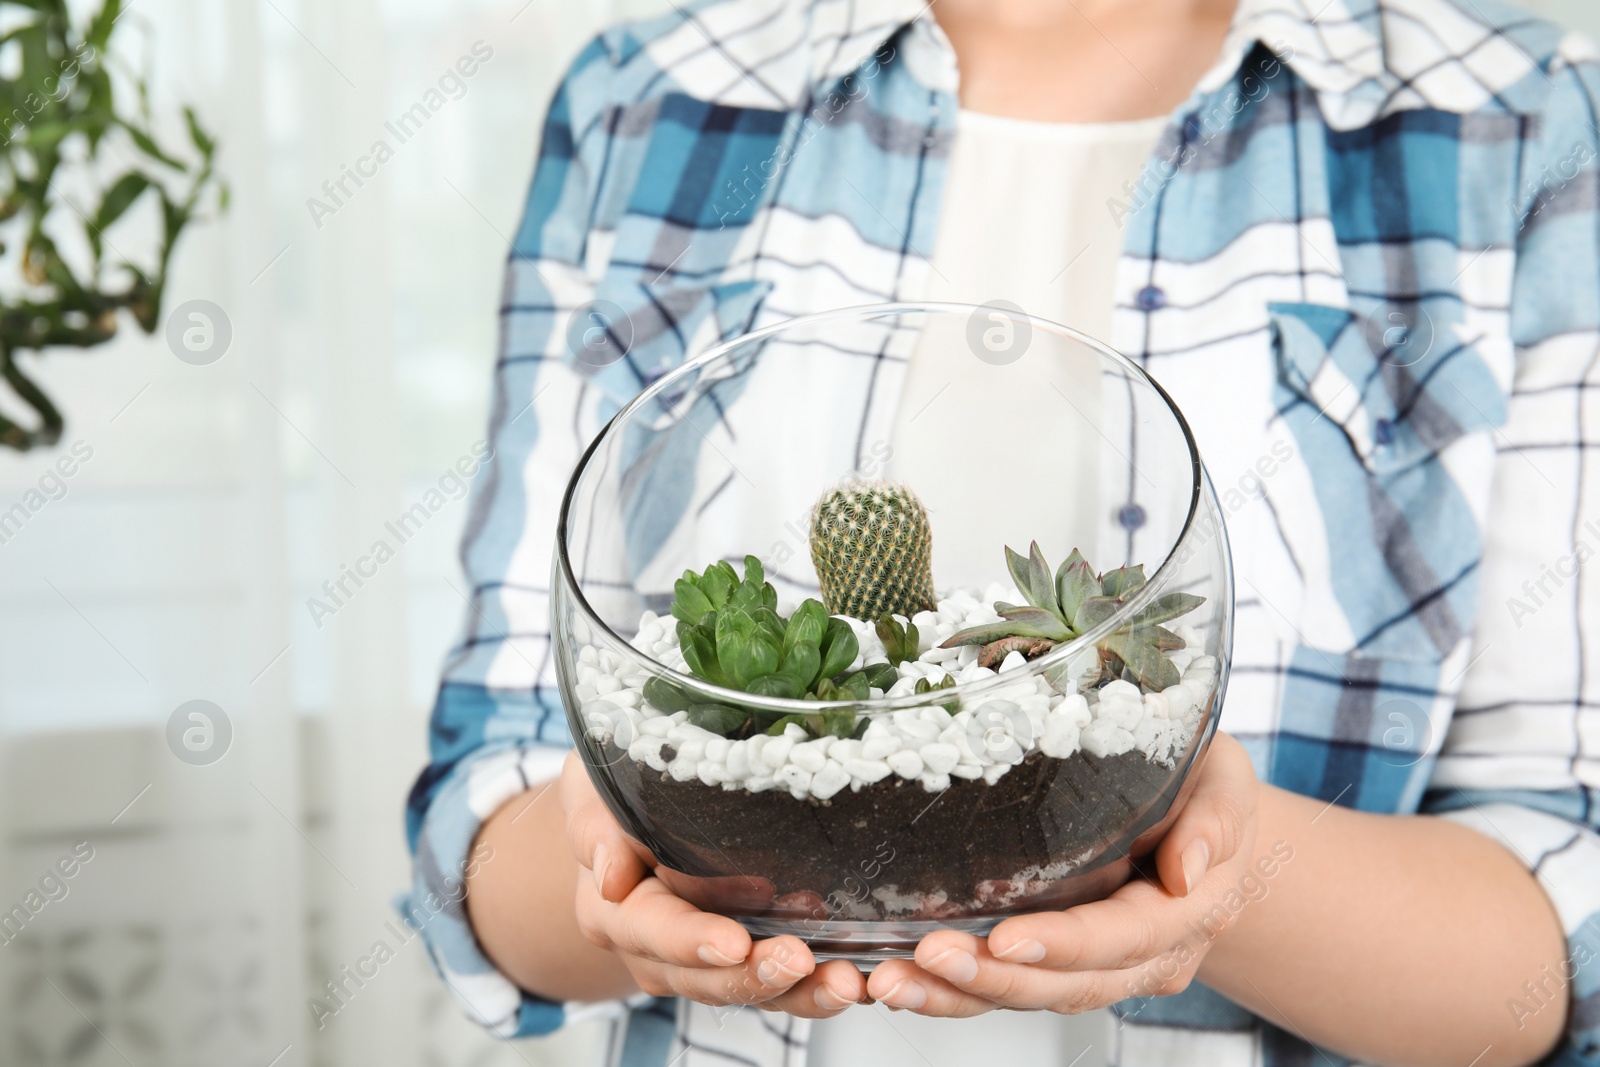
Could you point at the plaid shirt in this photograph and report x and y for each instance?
(1368, 241)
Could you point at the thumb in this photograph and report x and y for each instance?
(1217, 822)
(597, 840)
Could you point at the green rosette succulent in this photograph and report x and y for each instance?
(1071, 602)
(731, 635)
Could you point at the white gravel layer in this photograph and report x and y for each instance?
(927, 745)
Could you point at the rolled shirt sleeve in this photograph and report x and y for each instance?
(1521, 759)
(497, 727)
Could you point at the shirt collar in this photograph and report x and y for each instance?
(1338, 51)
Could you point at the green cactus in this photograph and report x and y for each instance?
(872, 548)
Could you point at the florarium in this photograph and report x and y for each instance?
(778, 692)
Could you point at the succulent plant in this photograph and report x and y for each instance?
(1074, 601)
(731, 635)
(872, 548)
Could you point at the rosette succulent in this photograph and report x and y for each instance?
(731, 635)
(1073, 601)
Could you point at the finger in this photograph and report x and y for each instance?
(652, 923)
(902, 985)
(1215, 823)
(774, 967)
(1137, 923)
(964, 963)
(596, 839)
(824, 993)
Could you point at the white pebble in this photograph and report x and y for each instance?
(809, 757)
(739, 759)
(628, 698)
(879, 747)
(1075, 708)
(586, 692)
(711, 772)
(867, 770)
(828, 781)
(605, 685)
(1013, 661)
(940, 757)
(967, 770)
(1120, 713)
(797, 779)
(777, 751)
(647, 750)
(935, 783)
(682, 770)
(717, 749)
(655, 726)
(1103, 739)
(845, 749)
(587, 654)
(1060, 738)
(1120, 689)
(1156, 705)
(693, 751)
(905, 763)
(795, 732)
(760, 783)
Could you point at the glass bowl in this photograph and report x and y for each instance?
(1035, 786)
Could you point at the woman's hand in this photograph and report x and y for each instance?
(1146, 939)
(670, 947)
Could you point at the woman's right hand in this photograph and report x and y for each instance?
(672, 948)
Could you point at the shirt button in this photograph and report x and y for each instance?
(1383, 432)
(1130, 516)
(1152, 299)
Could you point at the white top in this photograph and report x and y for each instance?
(1024, 218)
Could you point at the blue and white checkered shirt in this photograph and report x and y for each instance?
(1369, 241)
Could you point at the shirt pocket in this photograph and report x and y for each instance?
(1400, 386)
(1382, 524)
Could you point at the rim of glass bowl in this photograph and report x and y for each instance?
(1057, 656)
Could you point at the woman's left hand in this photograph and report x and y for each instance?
(1146, 939)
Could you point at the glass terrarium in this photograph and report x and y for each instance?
(857, 679)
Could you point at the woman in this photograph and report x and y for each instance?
(1360, 241)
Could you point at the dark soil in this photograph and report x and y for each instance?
(957, 852)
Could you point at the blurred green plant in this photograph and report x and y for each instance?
(61, 110)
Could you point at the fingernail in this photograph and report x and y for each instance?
(1196, 861)
(907, 994)
(602, 863)
(1025, 951)
(715, 956)
(956, 965)
(828, 1000)
(771, 972)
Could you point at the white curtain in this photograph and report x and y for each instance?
(176, 563)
